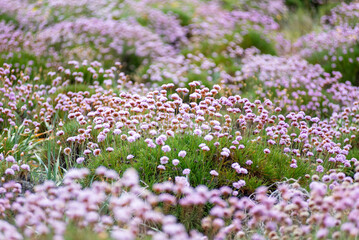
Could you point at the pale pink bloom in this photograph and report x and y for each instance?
(25, 167)
(166, 148)
(67, 151)
(208, 137)
(96, 152)
(205, 148)
(80, 160)
(182, 154)
(10, 159)
(249, 162)
(60, 133)
(9, 171)
(164, 160)
(161, 167)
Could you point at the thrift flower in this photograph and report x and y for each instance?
(214, 173)
(182, 154)
(186, 171)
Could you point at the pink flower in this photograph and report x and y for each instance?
(25, 167)
(161, 167)
(320, 168)
(214, 173)
(101, 171)
(170, 133)
(293, 165)
(164, 160)
(10, 159)
(101, 137)
(186, 171)
(80, 160)
(182, 154)
(9, 171)
(96, 152)
(87, 152)
(205, 148)
(112, 174)
(208, 137)
(60, 133)
(67, 151)
(129, 157)
(239, 184)
(161, 140)
(197, 132)
(322, 233)
(15, 167)
(175, 162)
(166, 148)
(249, 162)
(266, 151)
(225, 152)
(117, 131)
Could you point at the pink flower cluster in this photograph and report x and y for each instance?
(134, 211)
(201, 112)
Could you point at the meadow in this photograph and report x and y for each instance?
(179, 119)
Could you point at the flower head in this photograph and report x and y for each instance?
(182, 154)
(186, 171)
(166, 148)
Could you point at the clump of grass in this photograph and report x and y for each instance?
(267, 169)
(311, 5)
(29, 63)
(9, 19)
(344, 61)
(256, 39)
(75, 233)
(185, 18)
(298, 23)
(23, 145)
(19, 143)
(147, 159)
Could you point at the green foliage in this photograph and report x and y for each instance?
(312, 5)
(348, 66)
(8, 19)
(29, 63)
(231, 4)
(185, 18)
(147, 159)
(268, 169)
(294, 4)
(19, 143)
(22, 145)
(255, 39)
(73, 232)
(298, 23)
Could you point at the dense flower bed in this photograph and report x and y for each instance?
(177, 120)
